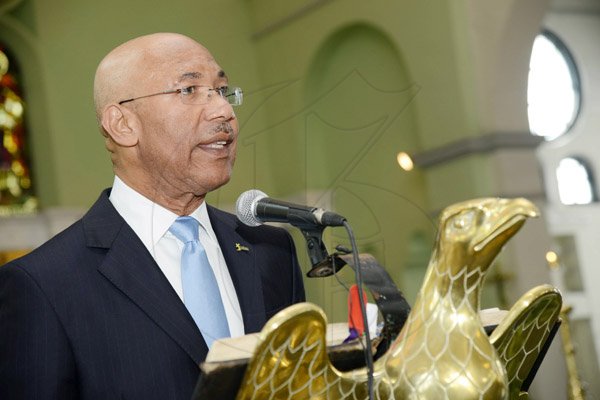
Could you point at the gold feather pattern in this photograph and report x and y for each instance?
(520, 337)
(442, 352)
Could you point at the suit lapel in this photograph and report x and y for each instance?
(133, 271)
(240, 257)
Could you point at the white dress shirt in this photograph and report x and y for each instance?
(151, 223)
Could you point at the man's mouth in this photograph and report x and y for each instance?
(221, 137)
(218, 145)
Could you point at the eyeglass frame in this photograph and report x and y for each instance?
(220, 91)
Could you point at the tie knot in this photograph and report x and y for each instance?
(185, 229)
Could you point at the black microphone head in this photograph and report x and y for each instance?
(245, 207)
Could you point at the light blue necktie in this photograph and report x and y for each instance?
(200, 290)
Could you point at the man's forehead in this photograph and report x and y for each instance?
(181, 55)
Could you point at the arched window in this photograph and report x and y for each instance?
(553, 90)
(575, 182)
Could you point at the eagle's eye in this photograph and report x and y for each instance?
(463, 220)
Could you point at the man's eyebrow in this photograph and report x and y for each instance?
(198, 75)
(190, 75)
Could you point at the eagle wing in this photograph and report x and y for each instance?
(522, 335)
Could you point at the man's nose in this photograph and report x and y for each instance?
(219, 108)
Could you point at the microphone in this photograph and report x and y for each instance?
(254, 208)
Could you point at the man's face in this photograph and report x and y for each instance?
(184, 148)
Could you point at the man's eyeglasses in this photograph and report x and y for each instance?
(198, 94)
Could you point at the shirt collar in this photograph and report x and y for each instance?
(149, 220)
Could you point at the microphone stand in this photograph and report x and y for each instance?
(325, 265)
(322, 263)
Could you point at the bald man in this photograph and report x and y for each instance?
(101, 310)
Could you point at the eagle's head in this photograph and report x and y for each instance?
(473, 232)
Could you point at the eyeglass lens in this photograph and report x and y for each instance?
(203, 94)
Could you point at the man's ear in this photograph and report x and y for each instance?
(119, 123)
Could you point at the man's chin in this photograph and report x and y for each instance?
(207, 187)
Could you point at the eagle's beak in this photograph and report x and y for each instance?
(504, 217)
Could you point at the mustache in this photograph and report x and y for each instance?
(223, 127)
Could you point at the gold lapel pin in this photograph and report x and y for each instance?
(239, 247)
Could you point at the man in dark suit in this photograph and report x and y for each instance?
(100, 311)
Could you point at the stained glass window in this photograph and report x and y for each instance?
(16, 191)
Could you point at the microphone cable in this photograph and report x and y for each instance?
(363, 309)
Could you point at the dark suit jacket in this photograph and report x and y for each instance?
(90, 315)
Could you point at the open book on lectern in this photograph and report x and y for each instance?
(223, 370)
